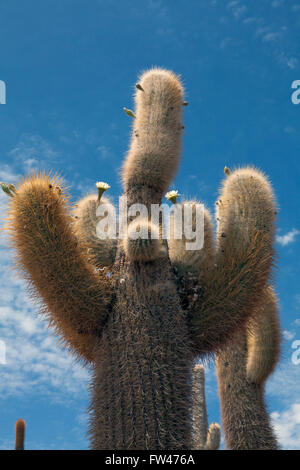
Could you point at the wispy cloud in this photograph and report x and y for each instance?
(287, 426)
(271, 37)
(237, 8)
(270, 30)
(104, 152)
(284, 385)
(288, 238)
(285, 382)
(33, 152)
(288, 335)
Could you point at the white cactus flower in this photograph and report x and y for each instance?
(172, 196)
(101, 188)
(102, 185)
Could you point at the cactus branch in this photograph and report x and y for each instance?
(100, 252)
(244, 256)
(204, 437)
(263, 338)
(241, 372)
(20, 434)
(153, 156)
(75, 298)
(199, 262)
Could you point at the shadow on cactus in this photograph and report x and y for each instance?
(139, 314)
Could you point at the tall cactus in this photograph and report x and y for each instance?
(138, 321)
(204, 437)
(242, 369)
(20, 434)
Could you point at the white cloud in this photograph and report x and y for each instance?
(285, 381)
(250, 19)
(284, 386)
(288, 335)
(7, 174)
(271, 37)
(237, 9)
(287, 426)
(288, 237)
(32, 153)
(269, 32)
(262, 30)
(104, 152)
(286, 60)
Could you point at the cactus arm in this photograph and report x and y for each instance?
(200, 419)
(244, 257)
(245, 419)
(213, 437)
(204, 437)
(155, 147)
(101, 253)
(20, 434)
(154, 153)
(200, 261)
(263, 339)
(75, 298)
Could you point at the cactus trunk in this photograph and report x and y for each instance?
(143, 365)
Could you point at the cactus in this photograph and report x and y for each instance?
(242, 369)
(204, 437)
(101, 253)
(139, 323)
(147, 245)
(20, 434)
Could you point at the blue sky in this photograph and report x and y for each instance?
(69, 67)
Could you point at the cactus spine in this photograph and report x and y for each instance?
(137, 324)
(204, 437)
